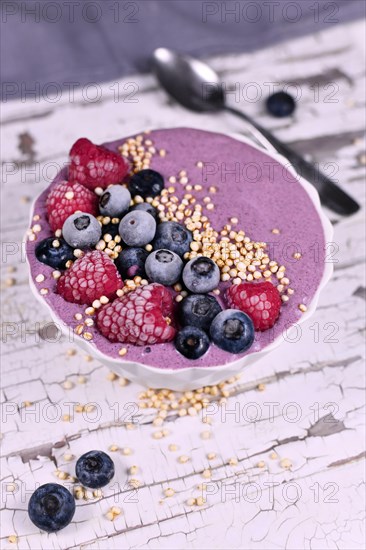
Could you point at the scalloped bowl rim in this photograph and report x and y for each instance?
(191, 377)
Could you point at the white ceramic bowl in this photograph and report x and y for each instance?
(195, 377)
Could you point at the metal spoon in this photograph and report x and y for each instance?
(196, 86)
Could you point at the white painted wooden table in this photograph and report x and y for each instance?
(311, 410)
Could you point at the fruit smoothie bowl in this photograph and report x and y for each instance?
(177, 257)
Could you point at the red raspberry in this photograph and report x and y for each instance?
(95, 166)
(66, 198)
(141, 317)
(90, 277)
(261, 301)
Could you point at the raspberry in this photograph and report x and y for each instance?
(261, 301)
(90, 277)
(141, 317)
(95, 166)
(66, 198)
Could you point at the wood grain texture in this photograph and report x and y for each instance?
(311, 412)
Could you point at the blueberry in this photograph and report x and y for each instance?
(81, 230)
(146, 183)
(172, 236)
(164, 267)
(131, 263)
(115, 201)
(137, 228)
(232, 330)
(192, 342)
(199, 310)
(94, 469)
(146, 207)
(51, 507)
(54, 256)
(201, 275)
(280, 104)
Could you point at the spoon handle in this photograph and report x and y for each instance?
(330, 194)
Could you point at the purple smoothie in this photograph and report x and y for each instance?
(252, 187)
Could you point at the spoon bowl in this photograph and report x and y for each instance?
(192, 83)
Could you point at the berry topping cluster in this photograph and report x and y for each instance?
(149, 265)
